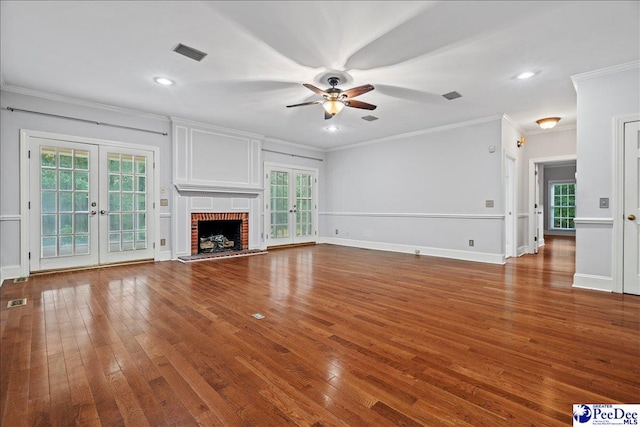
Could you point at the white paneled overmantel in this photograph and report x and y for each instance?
(215, 170)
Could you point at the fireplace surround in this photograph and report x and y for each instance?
(226, 218)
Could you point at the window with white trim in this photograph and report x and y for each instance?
(562, 206)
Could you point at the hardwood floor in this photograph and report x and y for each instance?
(351, 337)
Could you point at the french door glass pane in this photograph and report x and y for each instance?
(279, 190)
(64, 202)
(127, 202)
(304, 202)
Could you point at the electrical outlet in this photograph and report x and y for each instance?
(471, 242)
(489, 203)
(163, 242)
(604, 202)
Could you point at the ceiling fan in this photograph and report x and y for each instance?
(336, 99)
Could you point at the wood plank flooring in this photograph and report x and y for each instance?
(351, 337)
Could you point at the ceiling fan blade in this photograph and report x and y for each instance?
(314, 89)
(360, 104)
(327, 115)
(305, 103)
(353, 92)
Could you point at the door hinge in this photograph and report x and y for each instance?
(28, 205)
(315, 181)
(535, 239)
(154, 165)
(29, 255)
(154, 205)
(267, 206)
(315, 233)
(266, 176)
(536, 172)
(535, 206)
(154, 245)
(29, 154)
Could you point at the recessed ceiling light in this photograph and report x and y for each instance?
(164, 81)
(332, 128)
(525, 75)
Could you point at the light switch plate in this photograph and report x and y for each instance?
(604, 202)
(489, 203)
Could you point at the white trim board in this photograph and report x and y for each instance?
(483, 257)
(596, 283)
(413, 215)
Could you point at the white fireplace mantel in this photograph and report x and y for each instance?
(207, 190)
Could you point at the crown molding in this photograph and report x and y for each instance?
(294, 144)
(578, 78)
(514, 124)
(442, 128)
(80, 102)
(554, 129)
(208, 126)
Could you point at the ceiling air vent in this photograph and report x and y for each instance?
(189, 52)
(452, 95)
(369, 118)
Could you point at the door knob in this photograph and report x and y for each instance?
(93, 212)
(631, 217)
(103, 212)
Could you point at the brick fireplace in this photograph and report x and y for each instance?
(225, 216)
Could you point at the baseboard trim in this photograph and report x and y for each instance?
(427, 251)
(592, 282)
(164, 256)
(10, 272)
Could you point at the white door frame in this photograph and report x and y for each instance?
(618, 206)
(532, 244)
(511, 222)
(266, 218)
(25, 234)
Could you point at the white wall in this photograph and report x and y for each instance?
(423, 191)
(12, 122)
(602, 96)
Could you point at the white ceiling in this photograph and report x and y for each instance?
(260, 53)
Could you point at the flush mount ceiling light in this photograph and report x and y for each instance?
(525, 75)
(164, 81)
(548, 123)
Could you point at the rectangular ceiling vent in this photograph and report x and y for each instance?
(452, 95)
(369, 118)
(189, 52)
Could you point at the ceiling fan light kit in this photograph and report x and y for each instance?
(333, 107)
(548, 122)
(336, 99)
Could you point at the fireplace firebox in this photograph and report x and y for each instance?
(219, 236)
(219, 232)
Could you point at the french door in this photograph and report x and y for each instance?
(89, 204)
(291, 214)
(631, 228)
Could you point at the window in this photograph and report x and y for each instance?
(562, 205)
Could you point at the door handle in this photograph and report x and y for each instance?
(631, 217)
(103, 212)
(93, 213)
